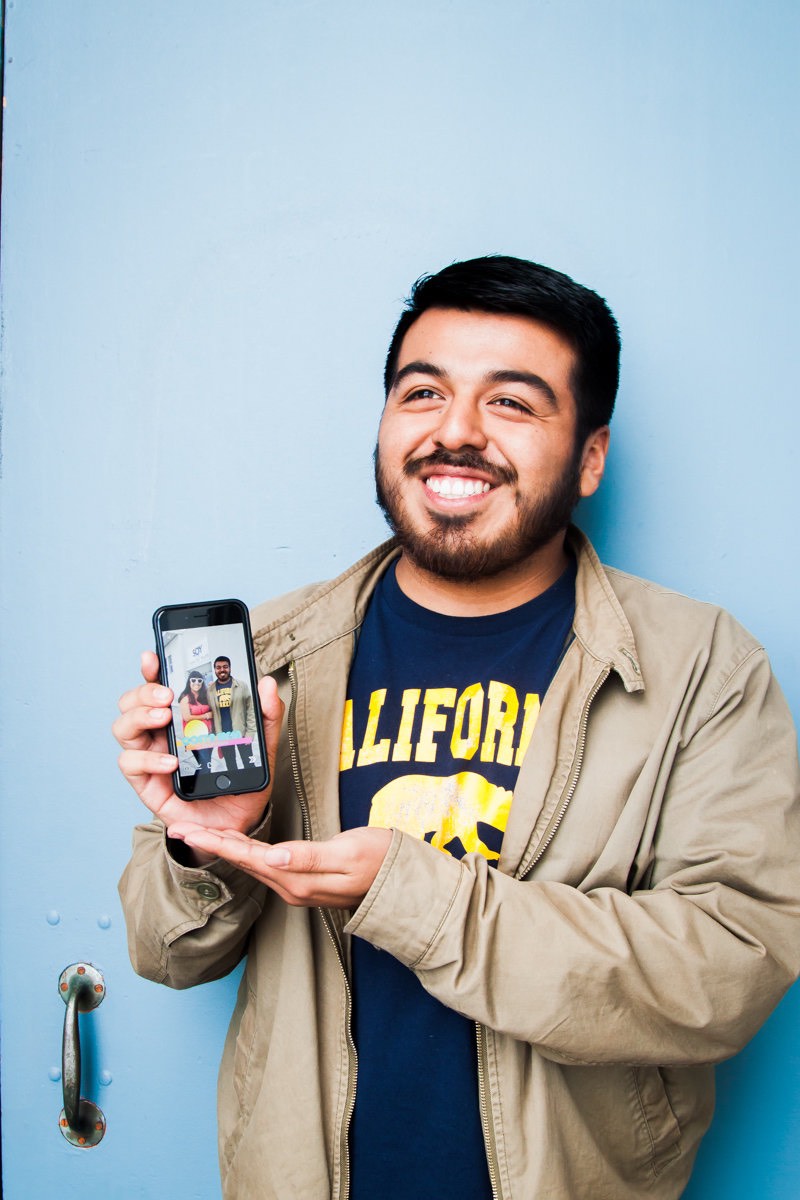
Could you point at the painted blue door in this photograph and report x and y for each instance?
(210, 216)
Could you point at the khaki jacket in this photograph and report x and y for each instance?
(643, 922)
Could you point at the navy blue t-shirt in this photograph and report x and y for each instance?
(439, 714)
(224, 702)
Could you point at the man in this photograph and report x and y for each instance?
(232, 710)
(527, 868)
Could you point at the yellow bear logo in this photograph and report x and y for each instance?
(458, 814)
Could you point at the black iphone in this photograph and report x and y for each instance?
(206, 656)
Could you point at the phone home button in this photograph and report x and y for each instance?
(222, 782)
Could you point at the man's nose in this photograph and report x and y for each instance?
(460, 424)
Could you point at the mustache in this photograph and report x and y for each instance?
(466, 460)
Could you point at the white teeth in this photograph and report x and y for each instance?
(456, 485)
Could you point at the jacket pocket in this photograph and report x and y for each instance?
(661, 1126)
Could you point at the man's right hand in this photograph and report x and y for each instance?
(147, 764)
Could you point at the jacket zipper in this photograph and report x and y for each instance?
(488, 1131)
(326, 921)
(576, 770)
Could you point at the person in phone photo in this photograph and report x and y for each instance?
(196, 716)
(232, 711)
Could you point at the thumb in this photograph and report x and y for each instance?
(272, 710)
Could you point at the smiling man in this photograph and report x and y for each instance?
(232, 710)
(527, 868)
(480, 460)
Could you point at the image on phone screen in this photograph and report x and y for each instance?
(216, 720)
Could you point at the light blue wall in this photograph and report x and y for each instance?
(211, 213)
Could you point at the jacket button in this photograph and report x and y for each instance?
(209, 891)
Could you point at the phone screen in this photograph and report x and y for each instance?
(206, 659)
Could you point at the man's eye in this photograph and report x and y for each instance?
(422, 393)
(510, 402)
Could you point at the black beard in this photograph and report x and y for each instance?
(448, 549)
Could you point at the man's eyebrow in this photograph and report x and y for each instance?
(418, 367)
(528, 378)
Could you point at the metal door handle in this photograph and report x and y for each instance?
(82, 988)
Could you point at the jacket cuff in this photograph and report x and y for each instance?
(410, 899)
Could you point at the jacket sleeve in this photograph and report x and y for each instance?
(186, 925)
(683, 971)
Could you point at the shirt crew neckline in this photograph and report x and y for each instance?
(408, 610)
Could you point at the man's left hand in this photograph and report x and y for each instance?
(333, 874)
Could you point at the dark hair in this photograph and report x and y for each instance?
(501, 284)
(222, 658)
(202, 695)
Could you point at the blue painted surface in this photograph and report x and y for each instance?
(210, 216)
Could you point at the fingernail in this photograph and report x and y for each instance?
(161, 695)
(274, 857)
(169, 761)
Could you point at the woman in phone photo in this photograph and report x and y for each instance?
(196, 714)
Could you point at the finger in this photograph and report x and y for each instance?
(228, 843)
(139, 727)
(356, 853)
(146, 762)
(305, 857)
(150, 666)
(271, 703)
(234, 847)
(298, 888)
(272, 710)
(147, 694)
(272, 707)
(184, 829)
(250, 856)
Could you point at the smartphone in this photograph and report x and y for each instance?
(206, 656)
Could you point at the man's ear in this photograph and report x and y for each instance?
(593, 460)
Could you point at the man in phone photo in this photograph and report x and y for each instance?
(527, 865)
(232, 709)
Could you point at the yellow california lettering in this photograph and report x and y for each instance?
(403, 747)
(372, 751)
(347, 752)
(461, 745)
(490, 724)
(500, 721)
(433, 721)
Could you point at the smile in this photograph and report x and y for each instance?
(456, 485)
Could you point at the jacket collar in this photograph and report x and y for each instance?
(600, 622)
(323, 613)
(332, 610)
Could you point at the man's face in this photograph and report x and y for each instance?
(222, 670)
(477, 466)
